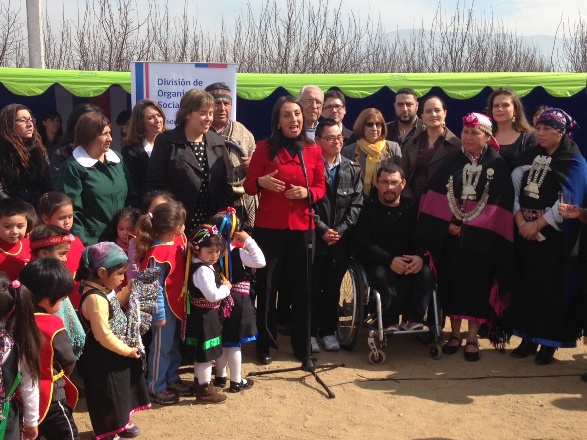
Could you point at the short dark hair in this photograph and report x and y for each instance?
(193, 100)
(326, 122)
(47, 278)
(12, 206)
(89, 126)
(391, 168)
(407, 91)
(334, 94)
(217, 86)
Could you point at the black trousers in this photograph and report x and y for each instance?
(58, 424)
(406, 295)
(327, 275)
(285, 251)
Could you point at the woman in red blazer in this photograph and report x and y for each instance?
(282, 220)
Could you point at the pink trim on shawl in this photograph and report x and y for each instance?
(468, 318)
(108, 434)
(492, 217)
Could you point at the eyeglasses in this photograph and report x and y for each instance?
(335, 107)
(334, 139)
(310, 101)
(376, 124)
(25, 121)
(389, 182)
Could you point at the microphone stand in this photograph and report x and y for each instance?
(309, 364)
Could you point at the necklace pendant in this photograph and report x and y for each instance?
(468, 193)
(532, 190)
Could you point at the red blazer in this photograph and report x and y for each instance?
(275, 210)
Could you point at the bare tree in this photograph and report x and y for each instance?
(295, 36)
(13, 50)
(575, 46)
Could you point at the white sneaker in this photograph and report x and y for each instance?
(315, 346)
(330, 343)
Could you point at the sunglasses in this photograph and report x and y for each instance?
(376, 124)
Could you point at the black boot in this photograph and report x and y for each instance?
(525, 349)
(545, 355)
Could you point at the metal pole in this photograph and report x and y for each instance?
(35, 31)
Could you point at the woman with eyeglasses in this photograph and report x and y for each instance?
(371, 149)
(466, 222)
(24, 167)
(425, 152)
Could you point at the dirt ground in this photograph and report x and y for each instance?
(411, 396)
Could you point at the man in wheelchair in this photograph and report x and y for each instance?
(384, 242)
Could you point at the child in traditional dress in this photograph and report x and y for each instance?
(156, 246)
(20, 344)
(206, 307)
(239, 327)
(49, 281)
(49, 241)
(56, 208)
(14, 245)
(113, 372)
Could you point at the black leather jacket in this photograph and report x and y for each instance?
(339, 211)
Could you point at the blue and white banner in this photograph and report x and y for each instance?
(166, 83)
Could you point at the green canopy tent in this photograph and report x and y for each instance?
(463, 92)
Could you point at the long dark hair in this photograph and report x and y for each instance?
(17, 307)
(277, 139)
(19, 155)
(136, 125)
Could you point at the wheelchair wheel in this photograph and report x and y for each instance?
(377, 358)
(350, 307)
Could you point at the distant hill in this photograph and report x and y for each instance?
(548, 45)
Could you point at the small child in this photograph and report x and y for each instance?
(126, 224)
(14, 244)
(49, 281)
(206, 308)
(151, 200)
(113, 372)
(156, 246)
(20, 345)
(239, 327)
(49, 241)
(56, 208)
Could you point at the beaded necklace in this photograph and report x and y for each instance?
(536, 176)
(459, 213)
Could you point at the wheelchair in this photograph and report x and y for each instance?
(355, 298)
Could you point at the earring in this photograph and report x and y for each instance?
(423, 127)
(443, 124)
(514, 118)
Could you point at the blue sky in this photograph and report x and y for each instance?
(526, 17)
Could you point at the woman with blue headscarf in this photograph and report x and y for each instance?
(550, 254)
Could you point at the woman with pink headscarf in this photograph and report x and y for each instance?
(466, 223)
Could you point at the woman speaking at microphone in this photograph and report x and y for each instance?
(282, 220)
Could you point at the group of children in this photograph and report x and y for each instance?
(49, 280)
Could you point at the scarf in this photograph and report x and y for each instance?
(375, 154)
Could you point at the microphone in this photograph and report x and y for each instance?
(299, 148)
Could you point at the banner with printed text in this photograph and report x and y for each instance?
(166, 83)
